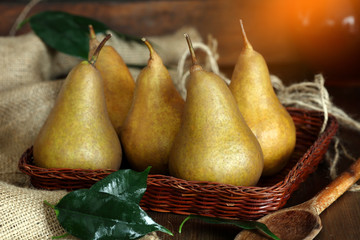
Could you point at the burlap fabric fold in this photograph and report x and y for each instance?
(31, 77)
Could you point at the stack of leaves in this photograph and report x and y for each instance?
(109, 209)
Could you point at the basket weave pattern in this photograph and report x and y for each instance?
(170, 194)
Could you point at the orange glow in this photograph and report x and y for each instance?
(326, 33)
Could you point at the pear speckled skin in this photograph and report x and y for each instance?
(154, 118)
(262, 110)
(119, 84)
(214, 143)
(78, 132)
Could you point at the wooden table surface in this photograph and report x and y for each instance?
(340, 221)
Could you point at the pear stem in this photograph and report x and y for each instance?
(243, 34)
(151, 49)
(92, 32)
(95, 56)
(191, 49)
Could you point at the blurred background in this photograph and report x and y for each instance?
(297, 38)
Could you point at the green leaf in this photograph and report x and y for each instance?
(109, 209)
(242, 224)
(88, 214)
(68, 33)
(126, 184)
(65, 32)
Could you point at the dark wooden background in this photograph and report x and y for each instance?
(273, 27)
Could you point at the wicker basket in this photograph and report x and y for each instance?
(170, 194)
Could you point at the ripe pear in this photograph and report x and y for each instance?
(78, 132)
(119, 84)
(214, 143)
(263, 112)
(154, 117)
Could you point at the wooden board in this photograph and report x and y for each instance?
(210, 17)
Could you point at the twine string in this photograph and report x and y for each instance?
(211, 52)
(22, 16)
(308, 95)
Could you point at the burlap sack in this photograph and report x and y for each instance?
(28, 88)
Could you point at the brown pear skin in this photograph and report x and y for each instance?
(262, 110)
(119, 84)
(78, 133)
(214, 143)
(154, 118)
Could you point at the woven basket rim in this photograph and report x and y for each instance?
(29, 168)
(170, 194)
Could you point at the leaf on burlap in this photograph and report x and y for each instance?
(109, 209)
(68, 33)
(96, 215)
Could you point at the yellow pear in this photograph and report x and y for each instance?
(154, 117)
(265, 115)
(78, 132)
(214, 143)
(119, 84)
